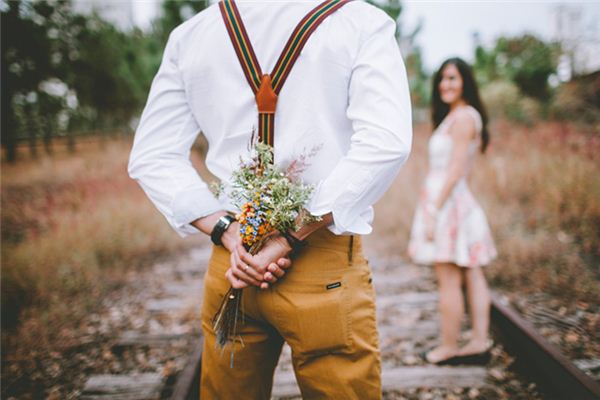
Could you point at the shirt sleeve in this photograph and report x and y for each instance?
(160, 158)
(380, 111)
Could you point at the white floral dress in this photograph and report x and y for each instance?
(462, 234)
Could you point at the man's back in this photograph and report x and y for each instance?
(315, 96)
(349, 84)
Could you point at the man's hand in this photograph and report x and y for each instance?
(236, 274)
(249, 270)
(274, 272)
(269, 265)
(266, 267)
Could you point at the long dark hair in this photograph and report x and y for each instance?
(470, 94)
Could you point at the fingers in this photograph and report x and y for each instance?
(276, 270)
(274, 273)
(252, 270)
(240, 284)
(245, 268)
(244, 255)
(235, 283)
(284, 262)
(242, 272)
(270, 278)
(248, 259)
(245, 277)
(429, 235)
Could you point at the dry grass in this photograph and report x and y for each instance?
(72, 227)
(540, 188)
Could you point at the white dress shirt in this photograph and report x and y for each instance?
(347, 92)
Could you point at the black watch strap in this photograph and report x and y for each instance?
(296, 244)
(220, 227)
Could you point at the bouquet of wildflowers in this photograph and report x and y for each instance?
(271, 200)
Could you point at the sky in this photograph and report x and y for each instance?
(448, 26)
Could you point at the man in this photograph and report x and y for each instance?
(347, 93)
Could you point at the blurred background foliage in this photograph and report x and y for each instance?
(66, 73)
(70, 74)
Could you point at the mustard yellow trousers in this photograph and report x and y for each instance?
(324, 308)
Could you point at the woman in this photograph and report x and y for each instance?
(450, 230)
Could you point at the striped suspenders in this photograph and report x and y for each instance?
(266, 87)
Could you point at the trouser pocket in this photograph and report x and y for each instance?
(322, 317)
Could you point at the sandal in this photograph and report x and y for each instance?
(481, 358)
(444, 361)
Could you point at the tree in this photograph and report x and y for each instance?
(392, 7)
(525, 60)
(418, 79)
(103, 75)
(175, 12)
(26, 61)
(103, 71)
(529, 63)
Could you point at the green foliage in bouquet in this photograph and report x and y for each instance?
(270, 199)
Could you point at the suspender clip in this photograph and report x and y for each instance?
(266, 99)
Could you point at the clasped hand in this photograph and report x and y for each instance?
(430, 222)
(262, 269)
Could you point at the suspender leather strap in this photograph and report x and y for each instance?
(266, 87)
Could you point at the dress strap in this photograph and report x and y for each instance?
(472, 111)
(266, 87)
(475, 114)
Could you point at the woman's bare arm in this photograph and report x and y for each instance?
(462, 132)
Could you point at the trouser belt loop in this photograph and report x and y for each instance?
(350, 249)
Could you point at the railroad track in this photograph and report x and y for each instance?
(547, 365)
(407, 319)
(149, 357)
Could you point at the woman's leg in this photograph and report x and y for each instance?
(478, 296)
(451, 308)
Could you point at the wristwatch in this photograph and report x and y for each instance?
(295, 243)
(220, 228)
